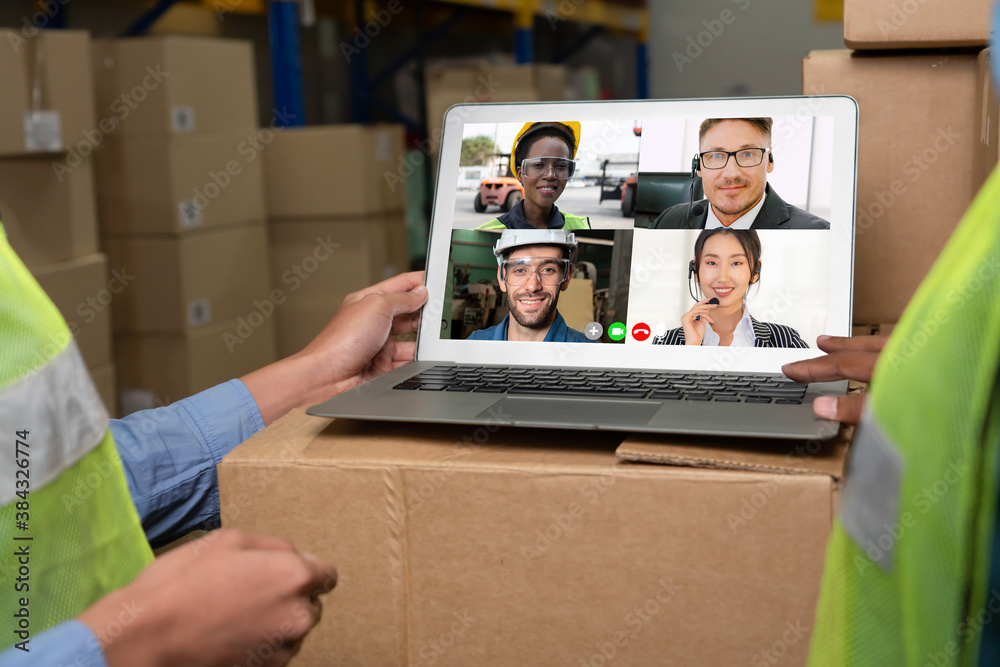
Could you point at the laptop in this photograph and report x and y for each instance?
(616, 353)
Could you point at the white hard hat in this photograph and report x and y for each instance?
(515, 238)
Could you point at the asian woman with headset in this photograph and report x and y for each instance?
(727, 262)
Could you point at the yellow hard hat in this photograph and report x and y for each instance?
(572, 125)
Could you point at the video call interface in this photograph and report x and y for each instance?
(660, 231)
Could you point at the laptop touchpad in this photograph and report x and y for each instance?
(543, 410)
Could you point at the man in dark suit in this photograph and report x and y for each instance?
(733, 164)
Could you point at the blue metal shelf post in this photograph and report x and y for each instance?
(286, 62)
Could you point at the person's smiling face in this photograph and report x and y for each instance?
(734, 190)
(724, 270)
(545, 190)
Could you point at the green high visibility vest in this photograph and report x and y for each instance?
(69, 532)
(908, 560)
(572, 222)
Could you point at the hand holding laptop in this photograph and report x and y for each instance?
(356, 346)
(846, 359)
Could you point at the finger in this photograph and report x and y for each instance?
(846, 409)
(406, 302)
(404, 351)
(406, 323)
(836, 366)
(856, 343)
(404, 282)
(322, 576)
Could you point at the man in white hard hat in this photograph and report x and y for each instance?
(534, 266)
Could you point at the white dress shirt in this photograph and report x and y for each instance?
(743, 222)
(743, 336)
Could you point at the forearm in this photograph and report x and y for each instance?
(170, 456)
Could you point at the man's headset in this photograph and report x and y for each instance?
(691, 281)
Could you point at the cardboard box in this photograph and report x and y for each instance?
(916, 143)
(325, 256)
(316, 263)
(186, 282)
(916, 24)
(987, 116)
(158, 369)
(56, 64)
(104, 380)
(169, 185)
(464, 545)
(480, 82)
(174, 85)
(84, 295)
(336, 170)
(48, 218)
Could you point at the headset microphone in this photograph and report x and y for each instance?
(712, 302)
(695, 166)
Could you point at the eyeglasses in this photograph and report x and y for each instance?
(745, 157)
(536, 167)
(550, 271)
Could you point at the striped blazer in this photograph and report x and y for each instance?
(765, 333)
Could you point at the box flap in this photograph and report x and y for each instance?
(792, 457)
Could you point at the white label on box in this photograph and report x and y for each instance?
(42, 131)
(134, 400)
(383, 146)
(189, 213)
(182, 118)
(199, 312)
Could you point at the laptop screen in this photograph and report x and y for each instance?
(691, 234)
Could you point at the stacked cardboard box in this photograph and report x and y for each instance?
(457, 544)
(335, 197)
(47, 202)
(481, 82)
(181, 208)
(918, 141)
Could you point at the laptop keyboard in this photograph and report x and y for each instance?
(653, 385)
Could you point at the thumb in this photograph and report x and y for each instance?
(407, 302)
(846, 409)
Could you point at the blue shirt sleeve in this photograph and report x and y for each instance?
(70, 643)
(170, 454)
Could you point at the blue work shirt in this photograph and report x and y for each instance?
(558, 332)
(169, 455)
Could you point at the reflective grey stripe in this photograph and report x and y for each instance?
(59, 408)
(869, 506)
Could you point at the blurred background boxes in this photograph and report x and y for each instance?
(335, 170)
(186, 282)
(107, 387)
(81, 291)
(916, 146)
(909, 24)
(48, 218)
(56, 65)
(169, 185)
(480, 82)
(317, 262)
(175, 84)
(158, 369)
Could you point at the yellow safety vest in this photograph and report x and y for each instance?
(908, 561)
(572, 222)
(69, 533)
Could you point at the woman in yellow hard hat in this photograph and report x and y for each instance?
(543, 159)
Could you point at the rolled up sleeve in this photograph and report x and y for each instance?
(170, 456)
